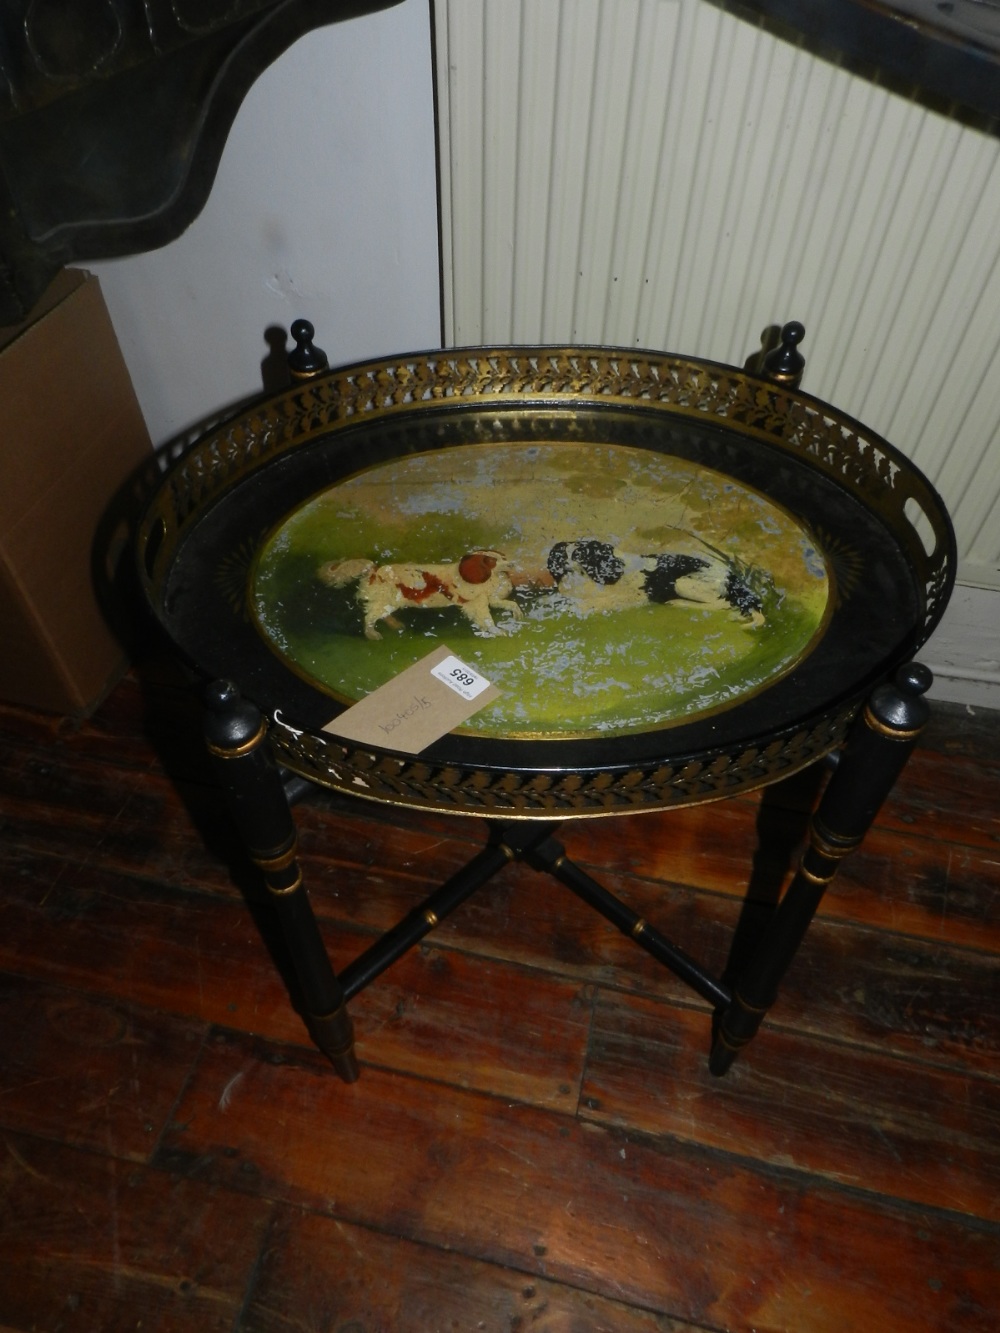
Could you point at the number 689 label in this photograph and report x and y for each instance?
(460, 678)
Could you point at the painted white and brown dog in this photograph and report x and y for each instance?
(601, 578)
(477, 584)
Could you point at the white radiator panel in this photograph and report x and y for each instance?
(662, 174)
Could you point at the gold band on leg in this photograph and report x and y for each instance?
(813, 878)
(890, 733)
(281, 890)
(278, 860)
(224, 752)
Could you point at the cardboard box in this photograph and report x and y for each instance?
(71, 433)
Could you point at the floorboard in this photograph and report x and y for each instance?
(535, 1141)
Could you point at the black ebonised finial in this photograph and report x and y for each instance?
(899, 704)
(914, 678)
(221, 696)
(305, 360)
(785, 364)
(232, 723)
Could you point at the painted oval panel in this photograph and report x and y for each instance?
(604, 589)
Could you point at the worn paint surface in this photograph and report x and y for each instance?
(587, 655)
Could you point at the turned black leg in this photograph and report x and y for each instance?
(878, 746)
(234, 732)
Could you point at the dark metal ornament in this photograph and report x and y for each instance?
(113, 117)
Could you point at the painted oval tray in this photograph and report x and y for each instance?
(682, 578)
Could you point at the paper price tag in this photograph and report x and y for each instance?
(460, 678)
(417, 707)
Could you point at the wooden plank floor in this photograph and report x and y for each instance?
(535, 1142)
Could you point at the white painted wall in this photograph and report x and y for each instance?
(964, 650)
(324, 207)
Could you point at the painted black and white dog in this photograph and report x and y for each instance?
(601, 577)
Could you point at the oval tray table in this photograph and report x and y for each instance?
(685, 580)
